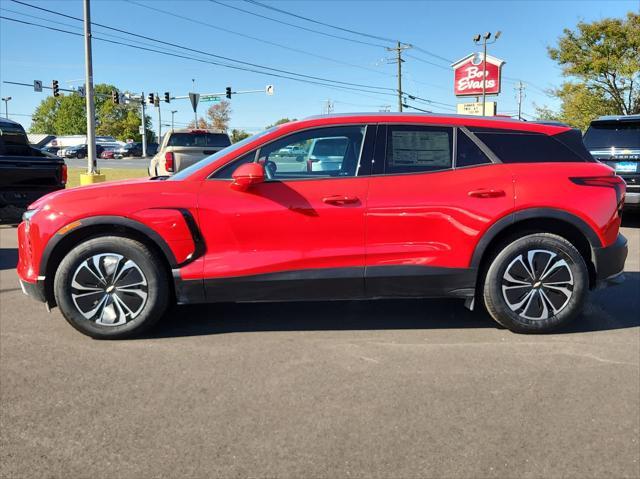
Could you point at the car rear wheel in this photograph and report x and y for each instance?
(536, 284)
(111, 288)
(80, 156)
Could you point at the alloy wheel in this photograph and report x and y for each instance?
(109, 289)
(537, 284)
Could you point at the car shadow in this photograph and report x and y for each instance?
(608, 309)
(631, 218)
(8, 258)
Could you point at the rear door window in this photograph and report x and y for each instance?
(468, 153)
(199, 140)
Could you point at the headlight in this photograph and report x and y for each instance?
(27, 215)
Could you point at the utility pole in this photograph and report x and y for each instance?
(485, 42)
(173, 112)
(398, 49)
(159, 122)
(6, 106)
(520, 89)
(143, 127)
(92, 165)
(329, 107)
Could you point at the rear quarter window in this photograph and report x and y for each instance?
(525, 147)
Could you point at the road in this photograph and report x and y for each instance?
(400, 389)
(124, 163)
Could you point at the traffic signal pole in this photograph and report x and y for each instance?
(92, 164)
(144, 128)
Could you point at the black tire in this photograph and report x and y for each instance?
(80, 156)
(558, 281)
(136, 263)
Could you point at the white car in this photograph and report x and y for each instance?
(182, 148)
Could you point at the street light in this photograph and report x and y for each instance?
(485, 41)
(173, 112)
(6, 106)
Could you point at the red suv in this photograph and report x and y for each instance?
(515, 216)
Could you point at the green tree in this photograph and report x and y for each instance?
(238, 135)
(65, 115)
(280, 122)
(602, 61)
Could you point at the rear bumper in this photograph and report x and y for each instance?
(609, 261)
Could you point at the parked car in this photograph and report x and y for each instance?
(79, 151)
(615, 141)
(108, 153)
(50, 149)
(517, 216)
(152, 149)
(26, 173)
(182, 148)
(129, 149)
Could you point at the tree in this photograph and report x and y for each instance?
(281, 121)
(580, 104)
(605, 57)
(65, 115)
(219, 115)
(202, 124)
(238, 135)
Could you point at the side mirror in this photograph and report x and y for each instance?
(247, 175)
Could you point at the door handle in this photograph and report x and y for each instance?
(340, 200)
(486, 193)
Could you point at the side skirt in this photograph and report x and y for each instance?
(332, 284)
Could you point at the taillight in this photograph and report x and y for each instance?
(63, 174)
(613, 181)
(169, 161)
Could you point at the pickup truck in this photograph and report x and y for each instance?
(26, 173)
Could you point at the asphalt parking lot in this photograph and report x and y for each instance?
(374, 389)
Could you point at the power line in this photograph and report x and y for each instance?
(297, 26)
(348, 30)
(255, 65)
(355, 32)
(335, 87)
(261, 40)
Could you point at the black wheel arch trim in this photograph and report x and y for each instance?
(527, 214)
(110, 220)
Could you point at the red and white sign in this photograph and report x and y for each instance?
(469, 75)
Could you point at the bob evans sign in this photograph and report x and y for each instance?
(468, 75)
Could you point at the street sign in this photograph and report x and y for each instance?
(209, 98)
(141, 129)
(269, 90)
(469, 75)
(476, 108)
(194, 98)
(37, 85)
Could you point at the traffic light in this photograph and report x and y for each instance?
(55, 88)
(167, 97)
(229, 92)
(156, 101)
(151, 99)
(115, 98)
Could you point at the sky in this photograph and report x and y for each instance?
(440, 32)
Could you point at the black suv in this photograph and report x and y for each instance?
(615, 141)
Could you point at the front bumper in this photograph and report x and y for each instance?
(34, 290)
(609, 261)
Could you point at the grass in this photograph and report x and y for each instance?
(112, 174)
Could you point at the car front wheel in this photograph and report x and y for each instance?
(536, 284)
(111, 288)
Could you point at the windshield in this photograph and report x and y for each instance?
(199, 139)
(216, 156)
(606, 135)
